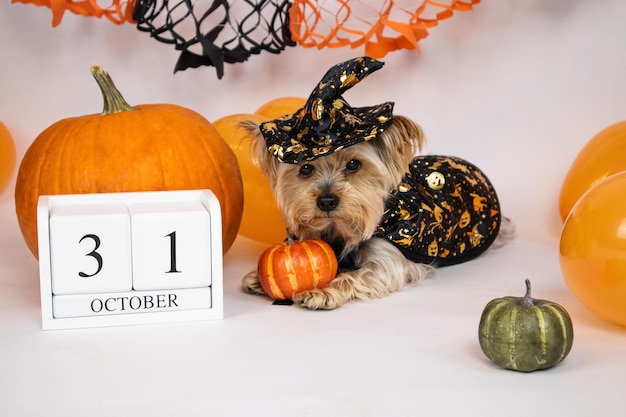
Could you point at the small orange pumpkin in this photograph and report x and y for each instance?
(7, 156)
(291, 267)
(150, 147)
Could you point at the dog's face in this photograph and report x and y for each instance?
(340, 197)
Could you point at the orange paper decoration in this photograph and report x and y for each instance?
(119, 11)
(391, 26)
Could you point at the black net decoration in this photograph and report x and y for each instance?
(214, 32)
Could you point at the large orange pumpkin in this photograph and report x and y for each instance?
(151, 147)
(291, 267)
(262, 220)
(7, 156)
(280, 106)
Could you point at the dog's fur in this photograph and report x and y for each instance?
(357, 202)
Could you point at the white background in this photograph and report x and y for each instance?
(515, 86)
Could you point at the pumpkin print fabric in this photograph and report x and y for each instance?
(444, 212)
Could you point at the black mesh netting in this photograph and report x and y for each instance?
(214, 32)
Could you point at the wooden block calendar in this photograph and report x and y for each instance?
(129, 258)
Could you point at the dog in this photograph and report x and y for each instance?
(391, 217)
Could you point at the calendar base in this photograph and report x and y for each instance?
(132, 302)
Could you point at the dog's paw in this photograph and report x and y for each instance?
(250, 283)
(318, 299)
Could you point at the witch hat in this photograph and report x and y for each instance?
(327, 123)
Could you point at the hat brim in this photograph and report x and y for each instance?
(291, 142)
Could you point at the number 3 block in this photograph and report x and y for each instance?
(90, 249)
(129, 258)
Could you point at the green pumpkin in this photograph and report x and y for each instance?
(525, 334)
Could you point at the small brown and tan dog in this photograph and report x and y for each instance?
(349, 176)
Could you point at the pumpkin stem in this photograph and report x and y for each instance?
(527, 301)
(113, 100)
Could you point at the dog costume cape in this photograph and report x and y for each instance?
(445, 211)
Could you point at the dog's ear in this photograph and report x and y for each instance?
(399, 142)
(259, 154)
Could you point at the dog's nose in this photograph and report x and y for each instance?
(327, 202)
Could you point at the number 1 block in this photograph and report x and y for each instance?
(171, 245)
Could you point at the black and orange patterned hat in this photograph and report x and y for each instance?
(327, 123)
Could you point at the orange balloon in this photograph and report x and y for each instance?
(593, 249)
(603, 156)
(281, 106)
(7, 156)
(262, 220)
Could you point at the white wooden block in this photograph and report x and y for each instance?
(132, 302)
(171, 245)
(68, 311)
(90, 249)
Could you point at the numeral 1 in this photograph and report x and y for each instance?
(172, 237)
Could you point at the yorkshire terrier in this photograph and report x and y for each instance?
(349, 176)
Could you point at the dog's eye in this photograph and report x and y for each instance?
(306, 170)
(353, 165)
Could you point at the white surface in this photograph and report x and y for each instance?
(515, 86)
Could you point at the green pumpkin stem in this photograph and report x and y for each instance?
(113, 100)
(527, 301)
